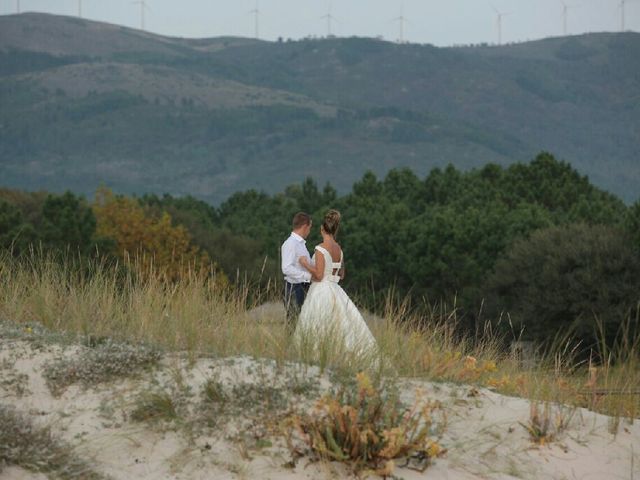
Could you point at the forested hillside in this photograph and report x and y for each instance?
(86, 103)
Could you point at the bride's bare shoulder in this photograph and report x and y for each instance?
(335, 250)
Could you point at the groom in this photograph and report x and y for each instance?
(296, 278)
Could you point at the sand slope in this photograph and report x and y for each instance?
(484, 436)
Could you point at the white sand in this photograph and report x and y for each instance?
(484, 436)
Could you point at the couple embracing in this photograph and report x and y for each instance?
(317, 307)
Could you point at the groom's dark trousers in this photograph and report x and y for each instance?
(294, 295)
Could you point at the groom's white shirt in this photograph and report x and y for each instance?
(292, 249)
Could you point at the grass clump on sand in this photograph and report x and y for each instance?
(106, 361)
(368, 428)
(547, 424)
(33, 448)
(154, 406)
(213, 393)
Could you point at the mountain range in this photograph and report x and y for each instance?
(85, 103)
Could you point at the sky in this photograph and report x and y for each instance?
(438, 22)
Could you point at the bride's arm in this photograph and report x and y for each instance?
(317, 271)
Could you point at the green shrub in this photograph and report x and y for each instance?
(582, 277)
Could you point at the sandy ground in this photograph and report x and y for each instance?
(484, 435)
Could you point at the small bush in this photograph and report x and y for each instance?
(580, 277)
(368, 428)
(107, 361)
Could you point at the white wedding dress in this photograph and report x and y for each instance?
(328, 314)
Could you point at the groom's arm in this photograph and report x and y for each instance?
(291, 268)
(316, 270)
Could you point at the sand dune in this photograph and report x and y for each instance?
(484, 436)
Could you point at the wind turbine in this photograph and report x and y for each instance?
(499, 16)
(622, 5)
(565, 15)
(18, 5)
(256, 13)
(80, 8)
(143, 7)
(330, 18)
(401, 20)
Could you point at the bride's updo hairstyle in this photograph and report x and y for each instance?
(331, 222)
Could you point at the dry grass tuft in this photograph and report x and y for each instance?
(36, 449)
(546, 425)
(154, 406)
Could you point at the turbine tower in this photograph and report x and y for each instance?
(18, 6)
(330, 18)
(256, 14)
(143, 7)
(622, 5)
(499, 16)
(565, 16)
(401, 20)
(80, 8)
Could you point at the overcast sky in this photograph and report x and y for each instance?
(439, 22)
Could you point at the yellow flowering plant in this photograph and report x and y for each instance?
(367, 427)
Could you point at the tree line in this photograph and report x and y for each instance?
(534, 243)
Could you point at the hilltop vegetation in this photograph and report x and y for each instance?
(86, 103)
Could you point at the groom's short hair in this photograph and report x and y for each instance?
(301, 219)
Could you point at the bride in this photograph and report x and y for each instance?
(328, 314)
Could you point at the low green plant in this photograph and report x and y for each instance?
(108, 360)
(256, 400)
(14, 382)
(368, 427)
(35, 333)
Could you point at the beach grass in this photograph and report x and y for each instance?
(202, 317)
